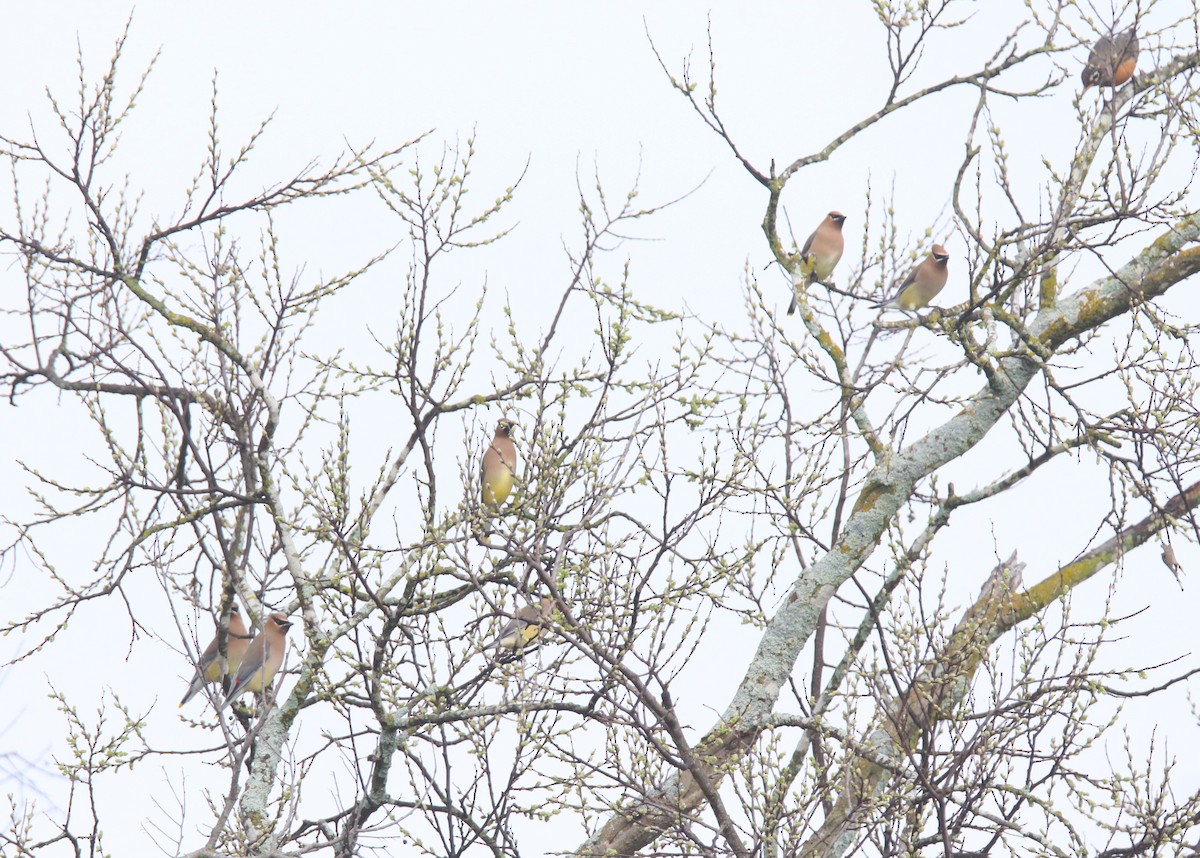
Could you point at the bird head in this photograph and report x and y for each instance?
(505, 427)
(280, 622)
(939, 254)
(838, 219)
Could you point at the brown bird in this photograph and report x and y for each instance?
(822, 250)
(208, 668)
(922, 283)
(262, 659)
(527, 623)
(1112, 60)
(499, 465)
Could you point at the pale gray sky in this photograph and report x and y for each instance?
(567, 88)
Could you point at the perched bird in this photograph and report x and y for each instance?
(1168, 559)
(527, 623)
(922, 283)
(824, 247)
(262, 659)
(499, 465)
(208, 669)
(1112, 60)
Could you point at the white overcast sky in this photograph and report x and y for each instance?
(567, 88)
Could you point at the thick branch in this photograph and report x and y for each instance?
(888, 486)
(943, 681)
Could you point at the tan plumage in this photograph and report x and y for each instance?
(822, 251)
(923, 282)
(262, 659)
(1169, 560)
(499, 465)
(527, 623)
(208, 668)
(1112, 60)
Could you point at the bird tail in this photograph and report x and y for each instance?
(799, 281)
(192, 689)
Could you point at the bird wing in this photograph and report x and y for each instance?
(512, 634)
(1129, 43)
(808, 243)
(524, 626)
(252, 662)
(198, 679)
(909, 279)
(207, 659)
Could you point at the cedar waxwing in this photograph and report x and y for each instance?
(825, 245)
(208, 669)
(262, 659)
(922, 283)
(527, 623)
(1168, 559)
(1112, 60)
(499, 465)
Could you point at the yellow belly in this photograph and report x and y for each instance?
(496, 490)
(255, 683)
